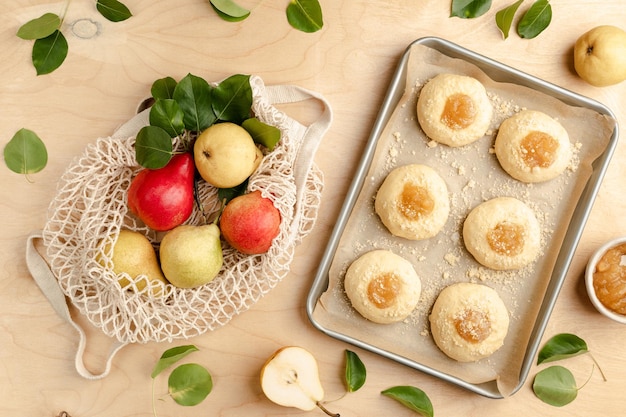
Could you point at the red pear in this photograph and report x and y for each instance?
(163, 198)
(250, 222)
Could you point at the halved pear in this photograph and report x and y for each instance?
(290, 378)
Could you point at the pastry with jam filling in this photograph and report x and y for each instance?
(382, 286)
(469, 321)
(454, 109)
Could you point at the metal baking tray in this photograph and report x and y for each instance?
(500, 73)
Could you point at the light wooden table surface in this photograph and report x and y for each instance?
(350, 62)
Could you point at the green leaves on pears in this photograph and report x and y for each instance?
(534, 21)
(50, 47)
(303, 15)
(187, 107)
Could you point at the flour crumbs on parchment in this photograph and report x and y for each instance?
(473, 175)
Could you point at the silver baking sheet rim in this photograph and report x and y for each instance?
(502, 73)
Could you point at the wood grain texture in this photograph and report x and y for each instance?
(350, 62)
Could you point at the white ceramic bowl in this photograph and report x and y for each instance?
(591, 267)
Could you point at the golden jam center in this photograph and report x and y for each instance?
(472, 325)
(459, 111)
(506, 238)
(383, 289)
(414, 202)
(539, 149)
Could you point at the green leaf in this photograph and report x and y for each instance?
(469, 9)
(262, 133)
(355, 372)
(504, 18)
(49, 52)
(555, 386)
(170, 357)
(561, 346)
(227, 194)
(193, 95)
(305, 15)
(412, 398)
(153, 147)
(535, 20)
(166, 114)
(41, 27)
(189, 384)
(113, 10)
(25, 153)
(232, 99)
(229, 10)
(163, 88)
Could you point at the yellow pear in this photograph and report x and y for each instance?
(225, 155)
(600, 56)
(134, 255)
(191, 256)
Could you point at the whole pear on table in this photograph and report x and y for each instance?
(600, 55)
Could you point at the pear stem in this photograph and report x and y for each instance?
(326, 411)
(196, 194)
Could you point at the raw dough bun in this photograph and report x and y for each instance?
(382, 286)
(454, 109)
(532, 147)
(469, 321)
(502, 233)
(413, 202)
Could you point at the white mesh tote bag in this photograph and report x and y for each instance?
(90, 208)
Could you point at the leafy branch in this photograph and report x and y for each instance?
(50, 47)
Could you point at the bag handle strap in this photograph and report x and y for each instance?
(311, 136)
(49, 285)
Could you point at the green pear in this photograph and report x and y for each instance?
(191, 256)
(134, 255)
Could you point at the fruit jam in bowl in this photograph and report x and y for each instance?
(605, 279)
